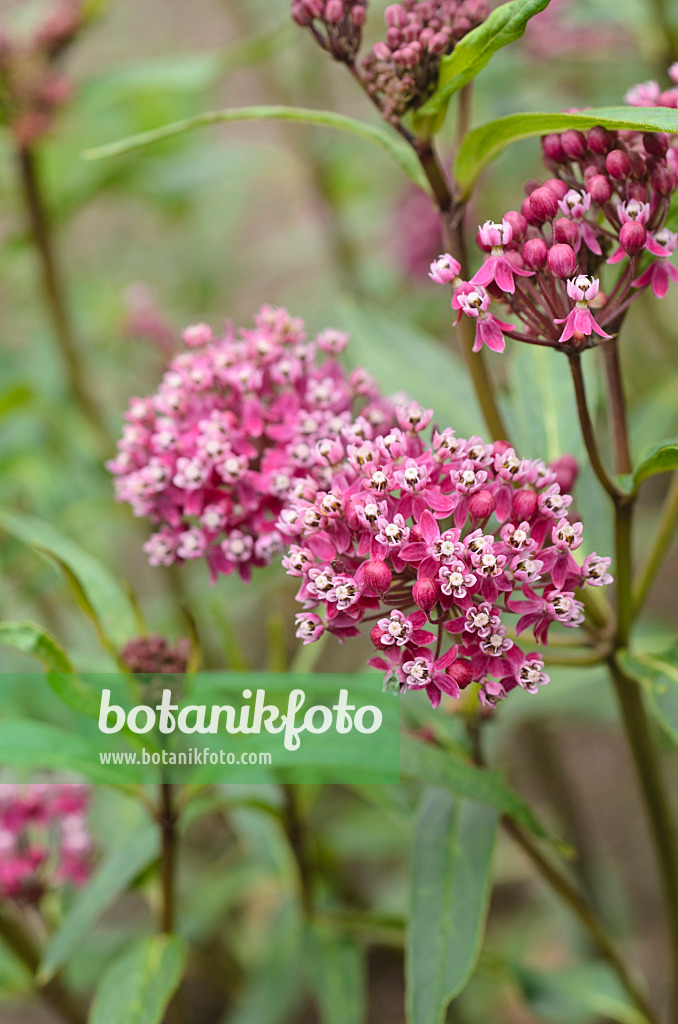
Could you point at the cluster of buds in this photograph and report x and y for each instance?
(437, 545)
(44, 839)
(606, 204)
(238, 426)
(149, 655)
(401, 71)
(336, 24)
(32, 83)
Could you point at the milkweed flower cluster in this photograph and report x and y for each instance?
(44, 839)
(401, 71)
(606, 204)
(240, 423)
(33, 85)
(437, 546)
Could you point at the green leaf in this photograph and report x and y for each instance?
(382, 137)
(28, 743)
(504, 25)
(441, 768)
(37, 643)
(658, 673)
(660, 458)
(119, 868)
(484, 144)
(98, 592)
(138, 986)
(274, 989)
(337, 976)
(450, 887)
(576, 995)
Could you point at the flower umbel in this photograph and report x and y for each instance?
(462, 536)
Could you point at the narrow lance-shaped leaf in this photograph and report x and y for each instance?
(504, 25)
(378, 135)
(484, 144)
(139, 985)
(100, 594)
(441, 768)
(336, 976)
(450, 886)
(38, 643)
(118, 869)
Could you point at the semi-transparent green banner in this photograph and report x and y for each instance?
(216, 727)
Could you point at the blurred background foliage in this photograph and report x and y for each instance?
(206, 227)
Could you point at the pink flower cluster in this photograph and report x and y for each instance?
(401, 71)
(32, 85)
(437, 545)
(238, 426)
(606, 204)
(649, 94)
(44, 839)
(336, 24)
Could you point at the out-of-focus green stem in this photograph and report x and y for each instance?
(660, 544)
(53, 290)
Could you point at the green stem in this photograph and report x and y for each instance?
(54, 294)
(648, 768)
(566, 890)
(167, 820)
(295, 827)
(587, 430)
(576, 902)
(660, 544)
(53, 993)
(617, 406)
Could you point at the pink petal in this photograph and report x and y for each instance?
(486, 273)
(503, 276)
(490, 333)
(430, 530)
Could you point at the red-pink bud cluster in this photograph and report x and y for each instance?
(32, 84)
(335, 24)
(401, 71)
(436, 546)
(44, 839)
(241, 423)
(149, 655)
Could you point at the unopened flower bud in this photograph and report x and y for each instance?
(638, 165)
(552, 149)
(544, 203)
(461, 672)
(599, 188)
(481, 504)
(334, 11)
(562, 260)
(557, 186)
(377, 576)
(499, 447)
(618, 164)
(395, 16)
(632, 237)
(573, 143)
(600, 140)
(524, 505)
(663, 181)
(566, 231)
(526, 211)
(381, 51)
(656, 143)
(566, 469)
(425, 593)
(535, 253)
(518, 224)
(636, 190)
